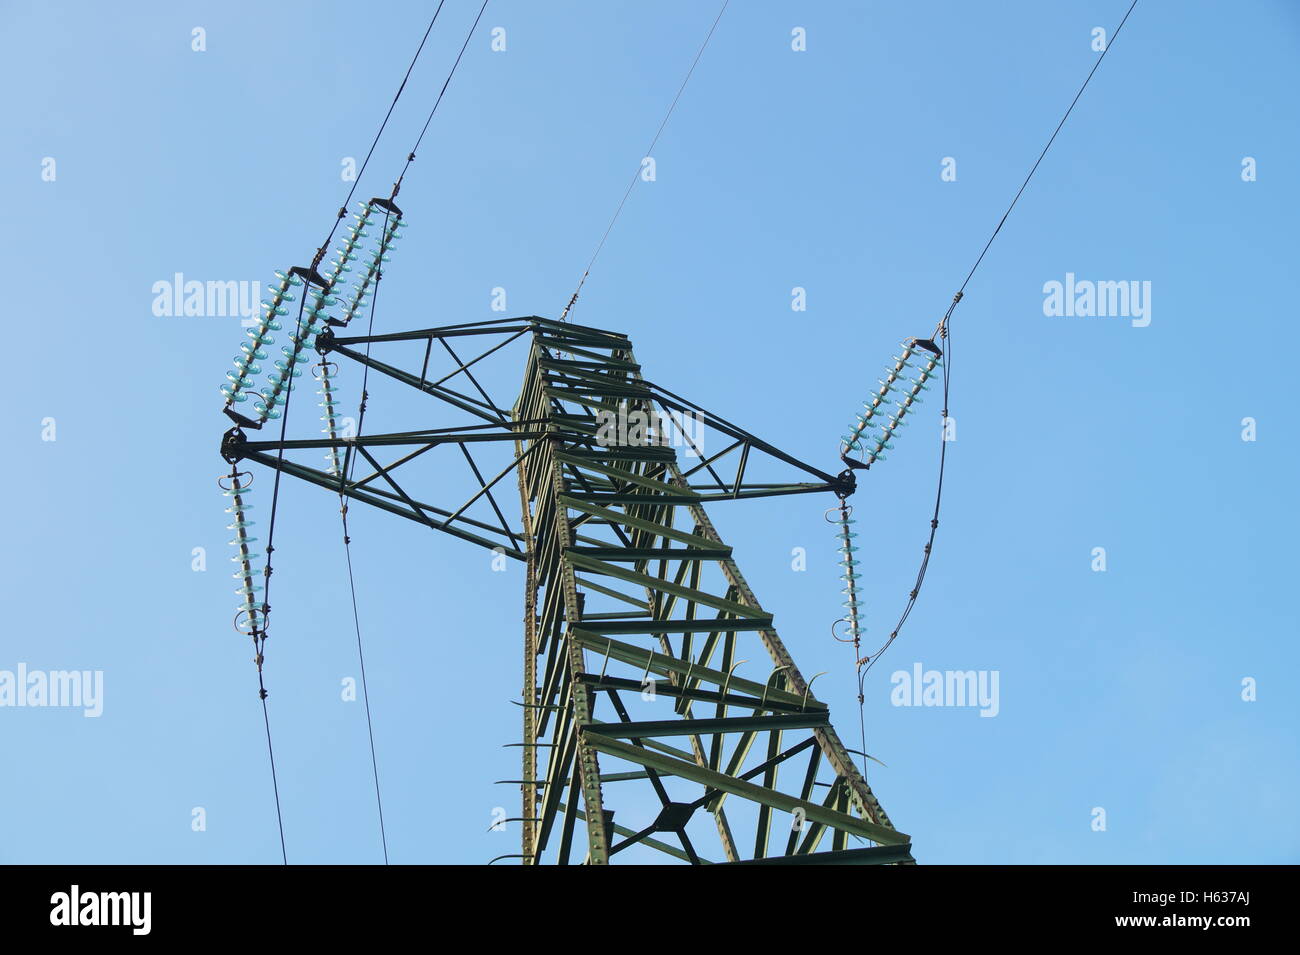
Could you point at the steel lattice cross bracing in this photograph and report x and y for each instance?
(639, 729)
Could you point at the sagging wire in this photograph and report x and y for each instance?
(922, 357)
(867, 662)
(249, 619)
(943, 333)
(374, 275)
(248, 615)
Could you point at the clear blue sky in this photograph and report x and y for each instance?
(818, 169)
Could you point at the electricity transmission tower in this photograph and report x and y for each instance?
(662, 714)
(640, 735)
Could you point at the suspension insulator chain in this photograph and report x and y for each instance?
(280, 382)
(250, 619)
(363, 287)
(323, 373)
(246, 367)
(904, 391)
(844, 536)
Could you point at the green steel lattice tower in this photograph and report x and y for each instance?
(663, 717)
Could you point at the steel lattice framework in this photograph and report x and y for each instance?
(638, 728)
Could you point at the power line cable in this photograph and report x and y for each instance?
(350, 463)
(275, 783)
(347, 549)
(635, 176)
(1002, 221)
(343, 209)
(410, 157)
(260, 633)
(942, 334)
